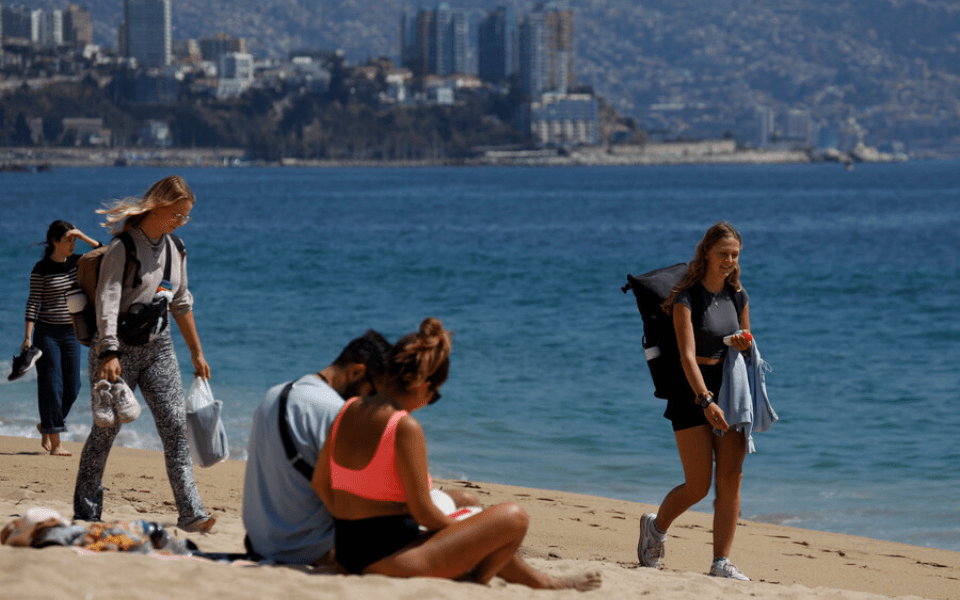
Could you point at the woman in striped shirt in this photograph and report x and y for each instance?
(50, 329)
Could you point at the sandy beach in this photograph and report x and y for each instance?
(569, 533)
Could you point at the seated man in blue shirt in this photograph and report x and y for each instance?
(285, 520)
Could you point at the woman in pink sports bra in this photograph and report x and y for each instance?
(372, 476)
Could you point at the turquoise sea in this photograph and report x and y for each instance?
(854, 281)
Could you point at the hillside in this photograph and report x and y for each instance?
(883, 69)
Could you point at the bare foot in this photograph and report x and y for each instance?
(45, 441)
(202, 526)
(55, 448)
(582, 583)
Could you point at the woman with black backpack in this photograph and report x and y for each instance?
(711, 316)
(133, 341)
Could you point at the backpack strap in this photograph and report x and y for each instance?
(179, 243)
(738, 302)
(131, 252)
(292, 455)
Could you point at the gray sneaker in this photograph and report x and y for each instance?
(101, 399)
(725, 569)
(650, 547)
(128, 409)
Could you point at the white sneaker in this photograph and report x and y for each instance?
(101, 400)
(128, 409)
(724, 568)
(650, 547)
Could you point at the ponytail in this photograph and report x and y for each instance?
(422, 356)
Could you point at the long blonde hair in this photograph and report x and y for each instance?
(128, 213)
(697, 268)
(422, 356)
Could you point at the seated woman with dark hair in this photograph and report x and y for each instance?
(372, 476)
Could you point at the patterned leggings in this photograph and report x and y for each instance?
(154, 368)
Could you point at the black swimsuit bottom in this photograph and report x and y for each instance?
(362, 542)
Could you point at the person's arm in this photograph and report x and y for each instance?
(182, 310)
(740, 341)
(27, 336)
(321, 477)
(76, 233)
(411, 447)
(37, 283)
(686, 342)
(109, 292)
(188, 329)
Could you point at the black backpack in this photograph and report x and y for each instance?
(659, 337)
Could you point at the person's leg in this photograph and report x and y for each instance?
(731, 450)
(49, 381)
(477, 547)
(88, 493)
(72, 366)
(462, 498)
(162, 389)
(519, 572)
(696, 455)
(69, 350)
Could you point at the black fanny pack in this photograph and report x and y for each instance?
(144, 322)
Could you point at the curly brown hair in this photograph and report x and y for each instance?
(422, 356)
(698, 266)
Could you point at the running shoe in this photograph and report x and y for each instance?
(650, 547)
(101, 400)
(24, 362)
(722, 567)
(127, 407)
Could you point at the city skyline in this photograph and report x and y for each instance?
(681, 69)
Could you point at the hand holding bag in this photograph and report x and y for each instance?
(205, 430)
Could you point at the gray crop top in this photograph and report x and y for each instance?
(714, 316)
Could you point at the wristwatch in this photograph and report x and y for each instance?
(705, 399)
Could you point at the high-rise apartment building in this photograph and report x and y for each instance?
(77, 28)
(213, 49)
(434, 42)
(546, 50)
(51, 28)
(765, 126)
(498, 45)
(20, 22)
(146, 32)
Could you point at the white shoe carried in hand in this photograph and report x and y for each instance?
(101, 400)
(128, 409)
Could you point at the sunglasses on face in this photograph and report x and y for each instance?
(434, 398)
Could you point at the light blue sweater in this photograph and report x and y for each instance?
(743, 394)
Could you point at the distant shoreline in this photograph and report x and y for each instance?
(718, 152)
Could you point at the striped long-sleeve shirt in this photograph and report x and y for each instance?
(49, 282)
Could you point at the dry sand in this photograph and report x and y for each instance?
(569, 533)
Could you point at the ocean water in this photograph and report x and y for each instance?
(854, 278)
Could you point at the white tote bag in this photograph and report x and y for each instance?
(205, 430)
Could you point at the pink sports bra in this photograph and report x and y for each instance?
(379, 480)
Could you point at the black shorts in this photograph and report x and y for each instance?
(362, 542)
(681, 409)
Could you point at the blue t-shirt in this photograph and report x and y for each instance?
(714, 316)
(283, 515)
